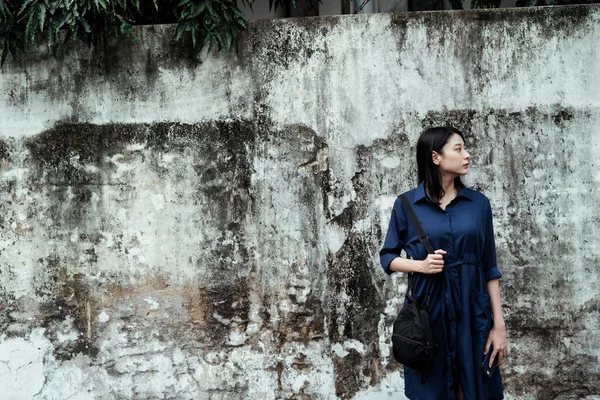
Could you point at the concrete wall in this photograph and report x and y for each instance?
(180, 227)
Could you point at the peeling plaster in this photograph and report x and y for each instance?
(208, 227)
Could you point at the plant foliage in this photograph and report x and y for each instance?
(212, 23)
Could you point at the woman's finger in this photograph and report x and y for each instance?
(434, 270)
(487, 345)
(500, 357)
(494, 355)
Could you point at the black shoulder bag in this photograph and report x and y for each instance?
(412, 339)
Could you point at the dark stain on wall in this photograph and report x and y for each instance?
(222, 154)
(460, 119)
(222, 160)
(356, 317)
(563, 116)
(465, 30)
(301, 326)
(62, 156)
(8, 305)
(572, 375)
(225, 306)
(572, 383)
(566, 19)
(281, 46)
(351, 274)
(71, 164)
(70, 305)
(351, 270)
(4, 151)
(131, 68)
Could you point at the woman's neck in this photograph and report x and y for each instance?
(448, 185)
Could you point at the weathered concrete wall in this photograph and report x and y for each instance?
(183, 228)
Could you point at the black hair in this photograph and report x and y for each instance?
(434, 139)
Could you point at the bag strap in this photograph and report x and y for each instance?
(422, 236)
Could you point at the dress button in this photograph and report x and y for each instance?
(447, 214)
(449, 234)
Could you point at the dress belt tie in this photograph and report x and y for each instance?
(452, 307)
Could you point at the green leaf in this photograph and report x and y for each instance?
(238, 12)
(31, 25)
(228, 39)
(51, 7)
(198, 10)
(4, 54)
(211, 43)
(193, 36)
(24, 5)
(86, 26)
(135, 36)
(220, 41)
(42, 15)
(5, 11)
(181, 28)
(210, 8)
(50, 35)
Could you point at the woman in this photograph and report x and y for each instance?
(461, 277)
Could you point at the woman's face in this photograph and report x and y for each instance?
(454, 159)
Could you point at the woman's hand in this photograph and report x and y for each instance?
(434, 263)
(497, 339)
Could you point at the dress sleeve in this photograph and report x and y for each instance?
(490, 266)
(395, 239)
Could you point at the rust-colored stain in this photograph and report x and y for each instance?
(146, 285)
(197, 305)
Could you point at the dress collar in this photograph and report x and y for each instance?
(420, 193)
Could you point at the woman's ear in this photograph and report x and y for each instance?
(436, 158)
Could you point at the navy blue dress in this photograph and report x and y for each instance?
(460, 309)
